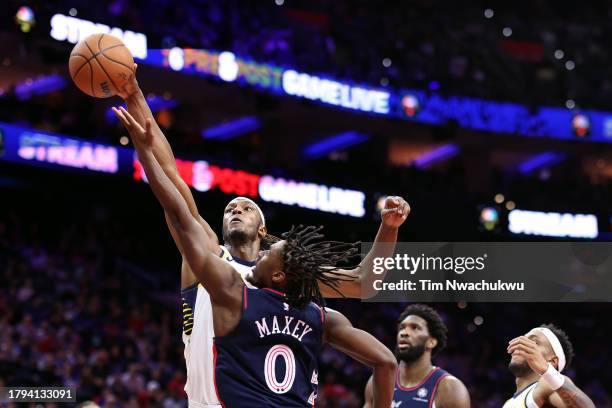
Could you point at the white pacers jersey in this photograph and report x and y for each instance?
(523, 399)
(198, 334)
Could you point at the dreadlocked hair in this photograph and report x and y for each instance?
(308, 262)
(268, 240)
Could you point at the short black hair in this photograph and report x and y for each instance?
(308, 262)
(566, 344)
(436, 327)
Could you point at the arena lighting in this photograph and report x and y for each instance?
(489, 218)
(333, 143)
(156, 104)
(228, 66)
(437, 155)
(60, 151)
(232, 129)
(432, 108)
(203, 176)
(39, 86)
(335, 93)
(540, 160)
(25, 19)
(72, 29)
(31, 147)
(552, 224)
(312, 196)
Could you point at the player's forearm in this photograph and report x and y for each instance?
(383, 247)
(384, 383)
(573, 397)
(139, 108)
(165, 191)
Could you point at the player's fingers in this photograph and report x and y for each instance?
(519, 339)
(148, 127)
(526, 341)
(522, 348)
(135, 68)
(405, 208)
(386, 211)
(391, 201)
(127, 114)
(121, 118)
(129, 117)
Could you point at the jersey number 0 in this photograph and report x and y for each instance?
(279, 387)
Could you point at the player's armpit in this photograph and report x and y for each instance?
(569, 396)
(452, 394)
(365, 348)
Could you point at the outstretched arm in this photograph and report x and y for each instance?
(394, 214)
(218, 277)
(365, 348)
(140, 111)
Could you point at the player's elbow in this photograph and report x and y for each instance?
(385, 360)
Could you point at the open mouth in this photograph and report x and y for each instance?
(235, 220)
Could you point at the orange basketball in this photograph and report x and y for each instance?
(100, 65)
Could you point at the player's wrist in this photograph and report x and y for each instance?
(553, 378)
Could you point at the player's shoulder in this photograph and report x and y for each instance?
(224, 253)
(451, 388)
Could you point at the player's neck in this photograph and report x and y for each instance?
(247, 251)
(414, 373)
(522, 382)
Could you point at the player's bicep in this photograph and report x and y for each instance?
(452, 394)
(356, 343)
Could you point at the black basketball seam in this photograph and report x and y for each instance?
(114, 60)
(93, 91)
(99, 41)
(101, 66)
(93, 55)
(108, 76)
(102, 51)
(81, 67)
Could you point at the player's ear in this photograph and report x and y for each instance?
(262, 232)
(278, 276)
(432, 343)
(554, 361)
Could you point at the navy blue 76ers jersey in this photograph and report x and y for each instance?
(419, 396)
(270, 358)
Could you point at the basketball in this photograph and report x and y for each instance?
(100, 65)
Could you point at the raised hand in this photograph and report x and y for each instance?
(137, 133)
(130, 87)
(395, 212)
(528, 349)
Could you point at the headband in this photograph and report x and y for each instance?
(554, 343)
(263, 219)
